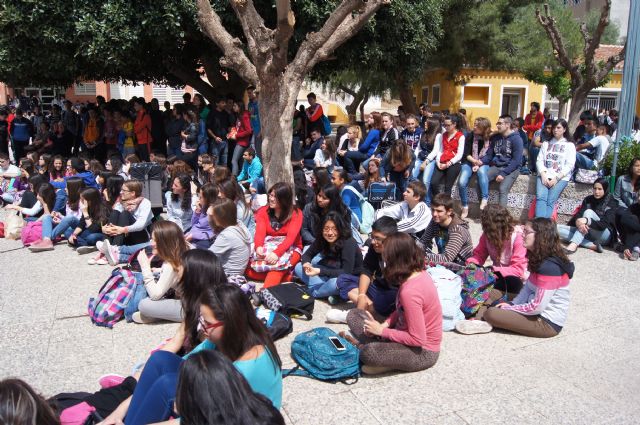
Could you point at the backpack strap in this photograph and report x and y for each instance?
(298, 371)
(353, 189)
(306, 314)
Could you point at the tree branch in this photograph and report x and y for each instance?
(607, 67)
(234, 56)
(592, 42)
(337, 29)
(549, 24)
(258, 36)
(347, 90)
(192, 78)
(283, 33)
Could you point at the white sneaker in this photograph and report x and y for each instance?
(99, 246)
(483, 204)
(465, 212)
(141, 318)
(112, 253)
(335, 315)
(470, 327)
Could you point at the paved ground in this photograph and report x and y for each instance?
(588, 374)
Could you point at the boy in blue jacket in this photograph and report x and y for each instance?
(251, 174)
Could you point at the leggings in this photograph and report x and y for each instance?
(125, 218)
(165, 309)
(376, 352)
(275, 277)
(534, 326)
(449, 175)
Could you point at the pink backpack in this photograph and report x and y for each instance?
(31, 232)
(108, 307)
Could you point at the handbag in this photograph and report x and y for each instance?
(586, 176)
(288, 298)
(380, 191)
(477, 283)
(283, 263)
(13, 226)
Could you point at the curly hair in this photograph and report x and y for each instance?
(546, 244)
(497, 225)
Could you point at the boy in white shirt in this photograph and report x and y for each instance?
(413, 214)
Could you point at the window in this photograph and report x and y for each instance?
(435, 95)
(425, 95)
(85, 89)
(478, 96)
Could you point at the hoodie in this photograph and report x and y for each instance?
(453, 242)
(505, 153)
(233, 248)
(546, 292)
(87, 176)
(512, 261)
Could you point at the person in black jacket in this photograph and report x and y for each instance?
(218, 124)
(594, 223)
(4, 132)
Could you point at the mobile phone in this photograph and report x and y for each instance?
(336, 343)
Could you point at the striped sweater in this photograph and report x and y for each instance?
(454, 242)
(546, 292)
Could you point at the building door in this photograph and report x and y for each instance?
(511, 103)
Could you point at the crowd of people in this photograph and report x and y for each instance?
(221, 224)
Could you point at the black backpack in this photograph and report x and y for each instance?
(288, 298)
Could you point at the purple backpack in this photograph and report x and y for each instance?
(108, 308)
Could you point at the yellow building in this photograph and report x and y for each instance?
(493, 93)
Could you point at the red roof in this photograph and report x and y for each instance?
(605, 51)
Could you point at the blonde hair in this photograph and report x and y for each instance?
(485, 125)
(356, 130)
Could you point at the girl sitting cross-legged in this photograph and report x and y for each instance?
(201, 234)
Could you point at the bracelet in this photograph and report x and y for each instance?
(361, 295)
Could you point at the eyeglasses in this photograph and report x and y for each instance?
(500, 123)
(206, 327)
(376, 239)
(330, 230)
(125, 191)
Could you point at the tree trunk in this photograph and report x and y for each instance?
(578, 102)
(364, 102)
(277, 103)
(562, 108)
(406, 97)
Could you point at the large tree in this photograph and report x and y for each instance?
(265, 59)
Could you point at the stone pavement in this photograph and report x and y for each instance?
(588, 374)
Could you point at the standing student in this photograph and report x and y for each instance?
(241, 133)
(218, 125)
(449, 155)
(448, 232)
(142, 129)
(339, 253)
(314, 114)
(409, 340)
(555, 165)
(21, 132)
(475, 148)
(540, 309)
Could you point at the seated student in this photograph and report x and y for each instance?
(593, 225)
(64, 224)
(325, 155)
(168, 245)
(76, 168)
(543, 135)
(448, 232)
(340, 255)
(88, 230)
(327, 200)
(388, 135)
(370, 175)
(413, 214)
(7, 169)
(230, 189)
(13, 181)
(112, 188)
(341, 179)
(592, 147)
(350, 144)
(195, 404)
(411, 134)
(230, 325)
(35, 202)
(369, 291)
(179, 202)
(205, 169)
(502, 240)
(409, 340)
(201, 235)
(279, 222)
(115, 166)
(426, 152)
(475, 148)
(233, 241)
(311, 145)
(540, 309)
(251, 174)
(21, 405)
(450, 152)
(398, 164)
(503, 159)
(127, 226)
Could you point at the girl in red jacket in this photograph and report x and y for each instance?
(241, 133)
(279, 218)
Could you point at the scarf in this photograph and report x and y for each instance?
(476, 143)
(132, 204)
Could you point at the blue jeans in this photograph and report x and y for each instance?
(546, 198)
(533, 157)
(219, 149)
(126, 251)
(319, 286)
(139, 294)
(584, 162)
(237, 157)
(384, 299)
(66, 226)
(571, 234)
(258, 185)
(426, 176)
(153, 398)
(88, 238)
(463, 182)
(61, 201)
(177, 152)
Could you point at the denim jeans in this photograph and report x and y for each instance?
(139, 293)
(533, 157)
(258, 185)
(505, 185)
(237, 157)
(584, 162)
(546, 198)
(177, 152)
(153, 398)
(352, 161)
(88, 238)
(219, 149)
(126, 251)
(571, 234)
(61, 201)
(319, 286)
(426, 176)
(466, 173)
(66, 226)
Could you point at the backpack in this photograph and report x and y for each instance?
(326, 125)
(477, 283)
(277, 324)
(31, 232)
(288, 298)
(449, 286)
(108, 308)
(379, 191)
(368, 212)
(317, 357)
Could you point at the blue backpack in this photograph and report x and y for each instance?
(317, 357)
(326, 125)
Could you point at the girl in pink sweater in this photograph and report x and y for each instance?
(502, 240)
(409, 340)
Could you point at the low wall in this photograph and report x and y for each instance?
(523, 194)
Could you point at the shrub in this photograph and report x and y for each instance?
(629, 149)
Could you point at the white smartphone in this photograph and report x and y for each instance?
(336, 343)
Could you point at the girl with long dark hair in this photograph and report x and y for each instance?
(178, 202)
(201, 235)
(327, 200)
(231, 189)
(21, 405)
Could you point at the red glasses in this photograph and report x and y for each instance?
(207, 327)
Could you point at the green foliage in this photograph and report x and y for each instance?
(629, 149)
